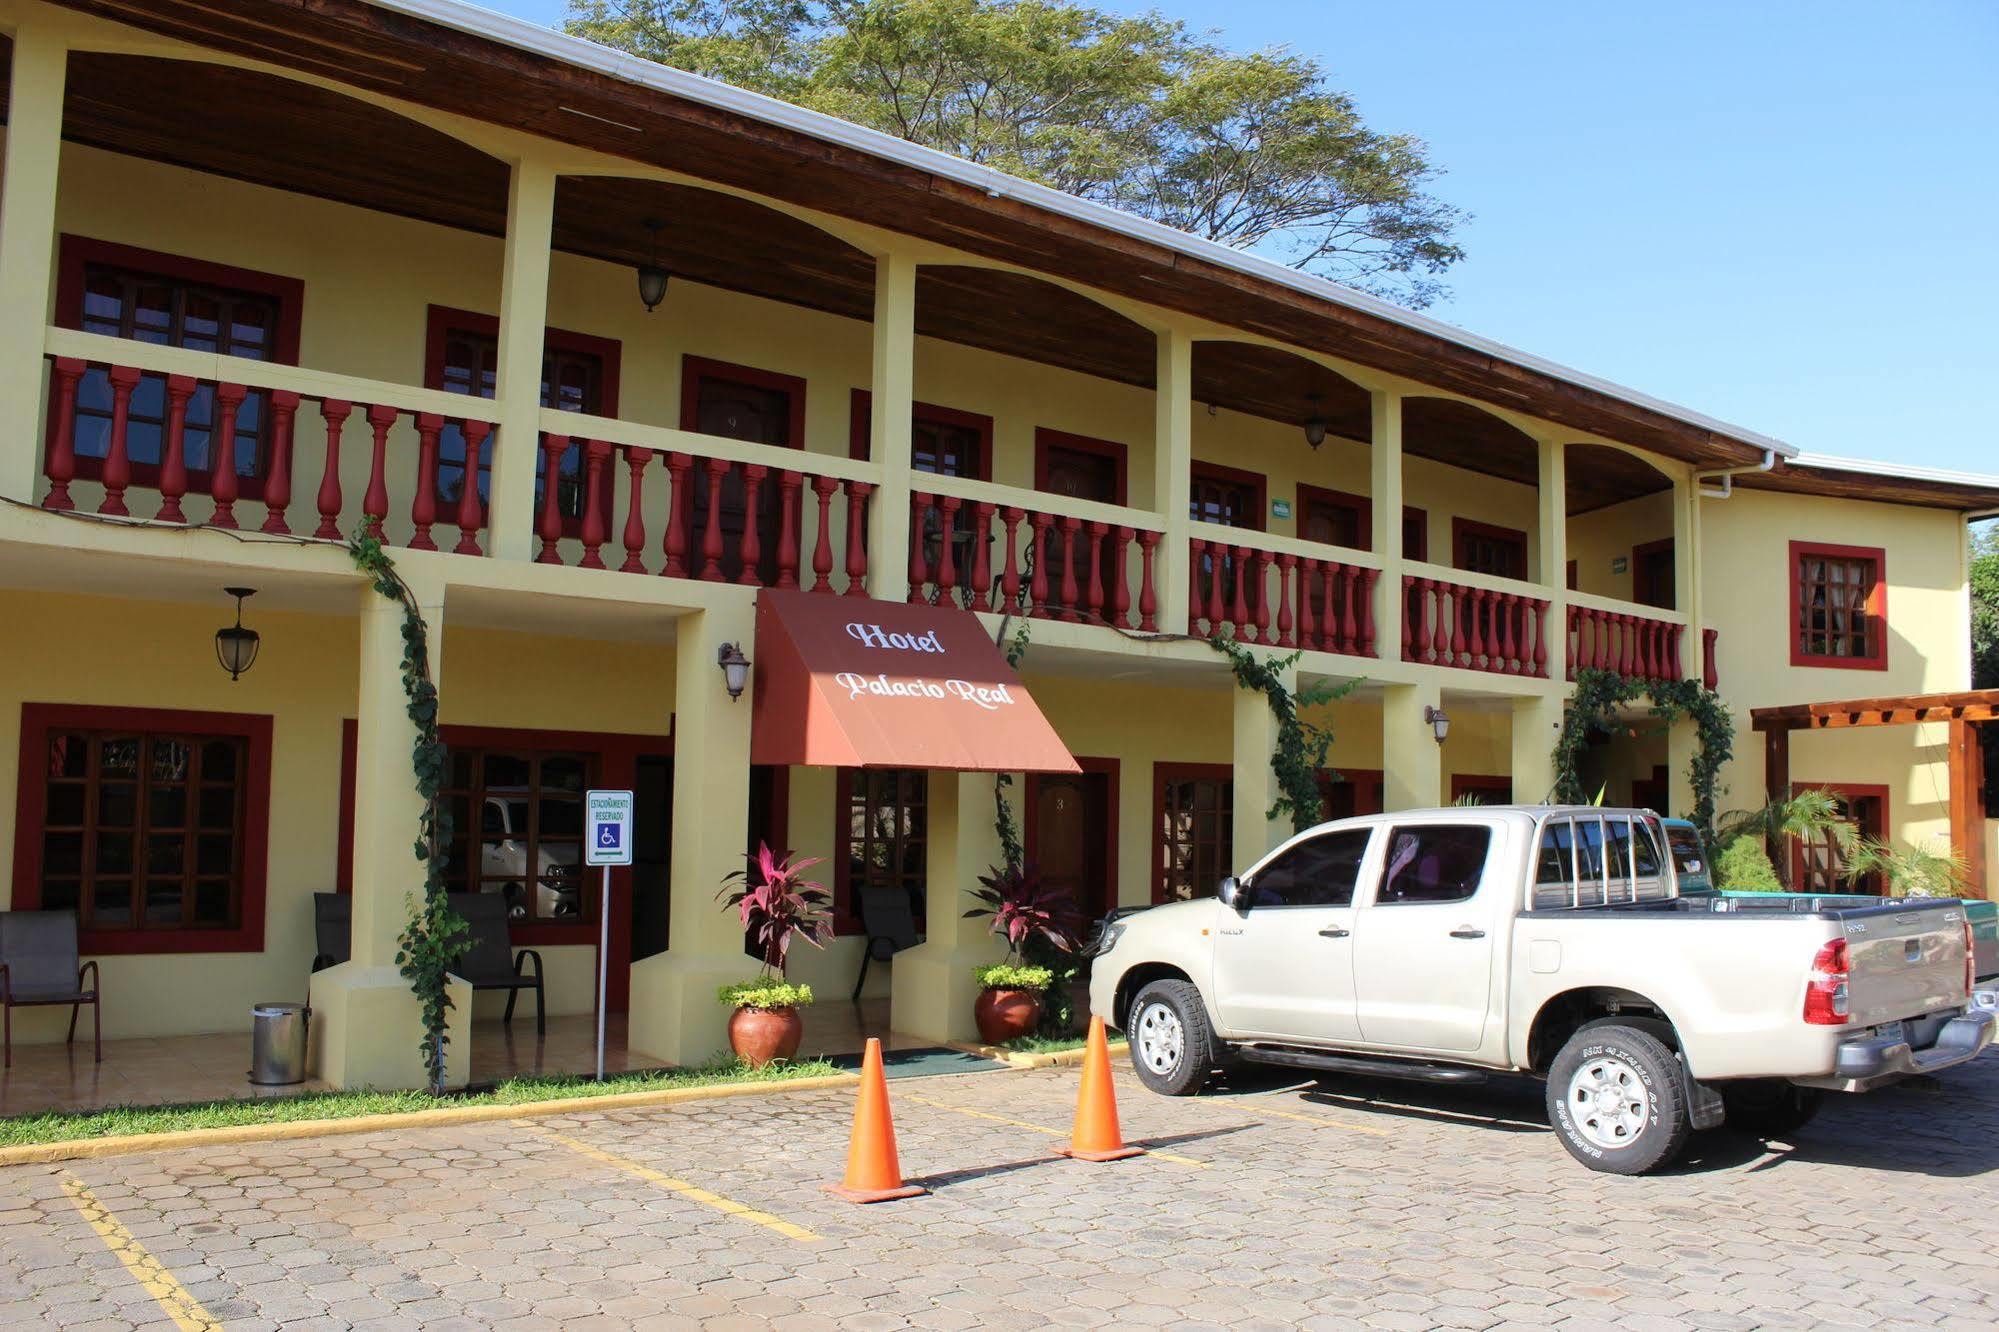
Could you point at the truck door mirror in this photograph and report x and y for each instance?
(1231, 893)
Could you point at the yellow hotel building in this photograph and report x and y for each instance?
(272, 272)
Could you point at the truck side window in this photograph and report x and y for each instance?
(1321, 872)
(1557, 848)
(1443, 863)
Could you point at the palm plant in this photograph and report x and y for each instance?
(778, 903)
(1810, 815)
(1918, 871)
(1022, 908)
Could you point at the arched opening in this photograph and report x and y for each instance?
(1620, 521)
(1280, 444)
(1471, 480)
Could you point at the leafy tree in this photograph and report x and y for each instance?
(1985, 606)
(1251, 149)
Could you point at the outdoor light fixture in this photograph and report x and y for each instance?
(652, 276)
(735, 668)
(1439, 722)
(235, 646)
(1315, 424)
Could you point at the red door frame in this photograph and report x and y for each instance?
(1163, 773)
(694, 369)
(1108, 767)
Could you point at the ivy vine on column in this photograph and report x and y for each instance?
(435, 936)
(1302, 747)
(1592, 711)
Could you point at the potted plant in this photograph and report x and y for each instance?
(777, 904)
(1020, 908)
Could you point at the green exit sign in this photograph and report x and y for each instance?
(1280, 508)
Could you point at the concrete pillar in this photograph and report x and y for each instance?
(931, 987)
(674, 1015)
(27, 241)
(1256, 788)
(1385, 493)
(1682, 743)
(894, 393)
(367, 1028)
(1173, 474)
(1552, 573)
(1687, 574)
(1412, 762)
(517, 381)
(1537, 725)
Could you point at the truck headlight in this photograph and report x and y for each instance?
(1107, 938)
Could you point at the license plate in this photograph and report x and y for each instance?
(1891, 1031)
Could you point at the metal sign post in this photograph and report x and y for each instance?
(608, 820)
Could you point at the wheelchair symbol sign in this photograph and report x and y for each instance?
(610, 822)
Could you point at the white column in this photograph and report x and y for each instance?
(1256, 788)
(1412, 762)
(931, 987)
(1537, 725)
(1173, 474)
(517, 381)
(27, 244)
(1385, 496)
(1687, 595)
(1553, 571)
(894, 397)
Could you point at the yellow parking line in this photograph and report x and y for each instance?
(691, 1192)
(155, 1280)
(1243, 1104)
(1039, 1128)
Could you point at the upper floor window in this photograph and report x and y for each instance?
(1839, 605)
(170, 301)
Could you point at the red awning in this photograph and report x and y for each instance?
(843, 682)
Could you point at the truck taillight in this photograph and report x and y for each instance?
(1825, 991)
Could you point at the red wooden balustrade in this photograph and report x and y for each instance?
(1325, 605)
(1710, 672)
(1623, 642)
(1474, 628)
(986, 556)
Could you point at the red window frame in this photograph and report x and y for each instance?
(696, 369)
(75, 254)
(1464, 530)
(1162, 774)
(1256, 483)
(1876, 608)
(1046, 438)
(860, 428)
(30, 813)
(846, 919)
(1848, 791)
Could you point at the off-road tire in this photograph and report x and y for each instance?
(1198, 1051)
(1642, 1076)
(1769, 1107)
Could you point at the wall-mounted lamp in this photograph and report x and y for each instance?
(235, 646)
(1439, 722)
(1315, 424)
(652, 274)
(735, 668)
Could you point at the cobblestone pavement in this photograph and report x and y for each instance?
(1270, 1203)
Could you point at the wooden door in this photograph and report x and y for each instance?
(760, 410)
(1498, 551)
(1072, 837)
(1652, 574)
(1078, 468)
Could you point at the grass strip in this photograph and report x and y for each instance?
(122, 1121)
(1044, 1044)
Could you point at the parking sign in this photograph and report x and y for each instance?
(608, 819)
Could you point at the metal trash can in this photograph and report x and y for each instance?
(277, 1044)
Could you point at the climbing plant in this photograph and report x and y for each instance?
(1592, 711)
(435, 936)
(1302, 747)
(1013, 855)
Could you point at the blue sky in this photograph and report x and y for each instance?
(1782, 213)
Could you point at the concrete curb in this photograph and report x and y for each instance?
(1023, 1059)
(84, 1149)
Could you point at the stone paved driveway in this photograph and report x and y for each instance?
(1273, 1203)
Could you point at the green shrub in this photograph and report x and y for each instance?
(1012, 976)
(765, 994)
(1744, 868)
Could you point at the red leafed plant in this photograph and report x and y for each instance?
(778, 903)
(1021, 908)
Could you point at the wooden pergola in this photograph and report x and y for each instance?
(1963, 712)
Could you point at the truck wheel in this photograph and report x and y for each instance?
(1616, 1100)
(1172, 1047)
(1769, 1107)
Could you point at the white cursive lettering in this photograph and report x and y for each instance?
(874, 636)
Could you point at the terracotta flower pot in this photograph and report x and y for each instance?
(1006, 1015)
(759, 1035)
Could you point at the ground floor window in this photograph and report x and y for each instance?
(517, 830)
(150, 825)
(883, 832)
(1193, 829)
(1817, 864)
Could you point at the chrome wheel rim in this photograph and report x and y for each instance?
(1608, 1102)
(1161, 1038)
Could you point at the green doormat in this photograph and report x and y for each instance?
(926, 1062)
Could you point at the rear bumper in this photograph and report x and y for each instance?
(1867, 1062)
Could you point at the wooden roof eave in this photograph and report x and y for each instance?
(1975, 705)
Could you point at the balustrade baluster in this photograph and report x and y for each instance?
(947, 554)
(1196, 592)
(375, 499)
(596, 453)
(1368, 578)
(1540, 639)
(334, 412)
(749, 546)
(423, 508)
(857, 529)
(471, 512)
(1071, 594)
(711, 529)
(173, 451)
(1449, 631)
(789, 484)
(1259, 571)
(1037, 590)
(1010, 565)
(1710, 652)
(549, 526)
(679, 515)
(919, 567)
(982, 555)
(1676, 666)
(636, 462)
(1349, 637)
(1239, 622)
(1510, 643)
(1476, 655)
(1411, 619)
(278, 479)
(822, 541)
(1285, 564)
(1148, 597)
(1308, 620)
(1093, 595)
(223, 486)
(117, 455)
(60, 467)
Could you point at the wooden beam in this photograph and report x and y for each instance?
(1976, 705)
(1967, 804)
(1776, 786)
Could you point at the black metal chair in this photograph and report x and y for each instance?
(491, 963)
(39, 969)
(889, 924)
(332, 929)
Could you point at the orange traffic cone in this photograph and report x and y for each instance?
(873, 1173)
(1096, 1136)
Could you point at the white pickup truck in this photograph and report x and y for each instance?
(1442, 944)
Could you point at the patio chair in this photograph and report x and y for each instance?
(888, 923)
(38, 969)
(491, 963)
(332, 929)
